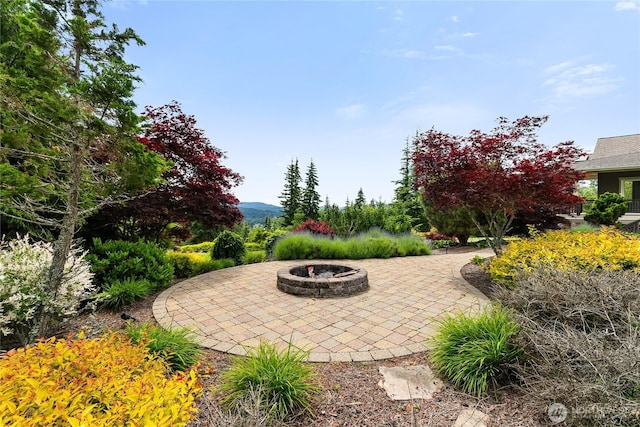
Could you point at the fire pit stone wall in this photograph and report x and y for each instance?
(322, 280)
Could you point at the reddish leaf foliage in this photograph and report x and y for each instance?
(434, 235)
(315, 227)
(197, 187)
(505, 170)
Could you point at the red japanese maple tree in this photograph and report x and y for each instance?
(496, 174)
(196, 188)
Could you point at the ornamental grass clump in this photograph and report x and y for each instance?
(373, 244)
(118, 294)
(93, 382)
(285, 384)
(581, 333)
(24, 297)
(476, 352)
(176, 346)
(607, 249)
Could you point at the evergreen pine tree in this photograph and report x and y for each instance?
(290, 196)
(310, 197)
(407, 200)
(360, 199)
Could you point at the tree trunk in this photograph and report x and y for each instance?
(62, 246)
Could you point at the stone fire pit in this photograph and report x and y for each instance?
(323, 280)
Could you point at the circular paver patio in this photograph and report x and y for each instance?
(232, 309)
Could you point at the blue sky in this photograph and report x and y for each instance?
(344, 83)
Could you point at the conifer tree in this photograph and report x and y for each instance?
(310, 197)
(68, 120)
(360, 199)
(290, 198)
(407, 200)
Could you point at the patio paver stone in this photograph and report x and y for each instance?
(234, 308)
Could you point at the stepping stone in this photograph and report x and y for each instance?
(409, 382)
(471, 418)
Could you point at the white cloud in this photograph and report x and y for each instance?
(398, 15)
(352, 112)
(457, 118)
(449, 48)
(469, 34)
(454, 19)
(557, 67)
(627, 5)
(403, 53)
(575, 79)
(413, 54)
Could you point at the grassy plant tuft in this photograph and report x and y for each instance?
(176, 346)
(286, 384)
(118, 294)
(474, 352)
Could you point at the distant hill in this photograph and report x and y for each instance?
(257, 212)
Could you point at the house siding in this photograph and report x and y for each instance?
(610, 181)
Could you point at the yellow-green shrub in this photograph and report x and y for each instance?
(250, 246)
(606, 249)
(253, 257)
(199, 247)
(193, 263)
(93, 382)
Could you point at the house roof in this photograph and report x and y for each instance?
(616, 153)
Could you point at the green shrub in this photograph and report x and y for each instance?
(175, 346)
(364, 247)
(118, 260)
(118, 294)
(378, 247)
(606, 209)
(412, 244)
(475, 352)
(287, 384)
(254, 257)
(478, 260)
(258, 235)
(248, 246)
(182, 263)
(272, 240)
(374, 244)
(228, 245)
(199, 247)
(299, 246)
(456, 222)
(192, 264)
